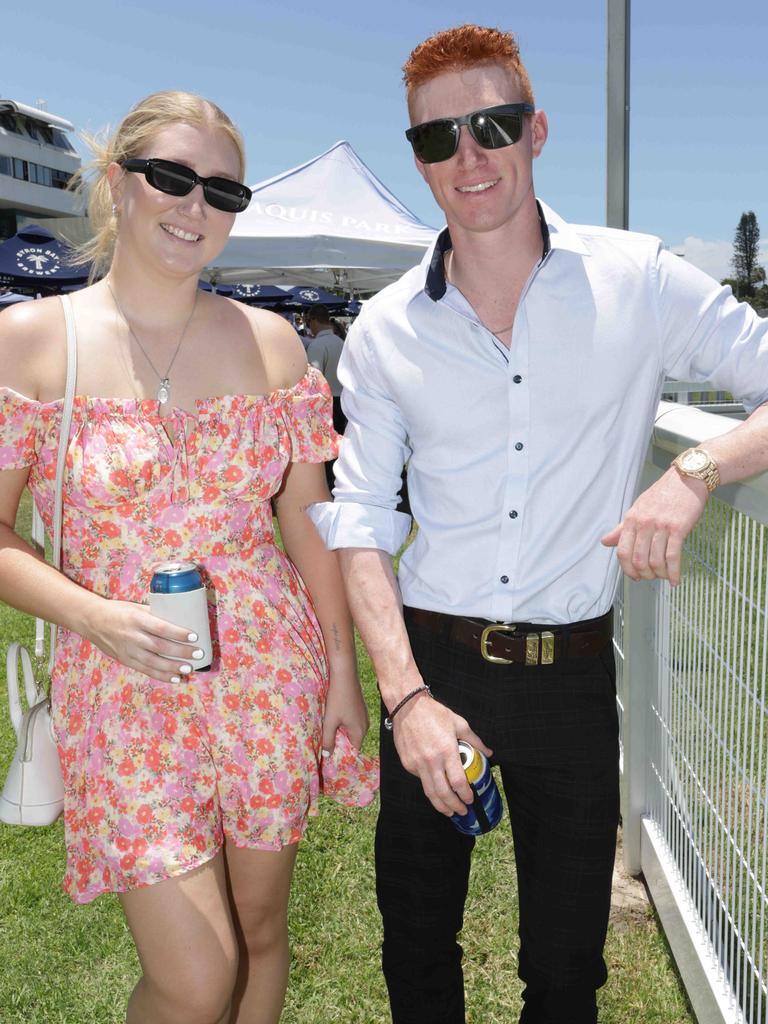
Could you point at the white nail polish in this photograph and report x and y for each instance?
(192, 637)
(185, 669)
(175, 679)
(197, 654)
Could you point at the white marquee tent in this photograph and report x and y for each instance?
(328, 222)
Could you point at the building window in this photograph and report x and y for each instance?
(38, 174)
(8, 121)
(60, 178)
(59, 139)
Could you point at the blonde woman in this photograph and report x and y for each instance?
(186, 792)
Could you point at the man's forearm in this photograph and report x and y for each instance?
(374, 599)
(743, 451)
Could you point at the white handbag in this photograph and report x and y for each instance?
(33, 793)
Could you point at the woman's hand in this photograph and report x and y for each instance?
(345, 705)
(136, 638)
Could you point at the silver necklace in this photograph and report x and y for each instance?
(449, 275)
(164, 390)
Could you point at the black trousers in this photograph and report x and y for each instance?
(554, 733)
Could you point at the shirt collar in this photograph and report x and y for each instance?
(555, 234)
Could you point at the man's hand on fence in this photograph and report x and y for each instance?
(649, 539)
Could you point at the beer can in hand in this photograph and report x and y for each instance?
(485, 811)
(178, 595)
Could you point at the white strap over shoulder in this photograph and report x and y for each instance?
(61, 461)
(66, 422)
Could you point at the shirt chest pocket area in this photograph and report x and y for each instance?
(451, 423)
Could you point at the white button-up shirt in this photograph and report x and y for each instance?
(521, 459)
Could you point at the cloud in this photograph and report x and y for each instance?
(714, 258)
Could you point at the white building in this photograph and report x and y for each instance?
(37, 160)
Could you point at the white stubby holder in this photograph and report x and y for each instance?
(177, 595)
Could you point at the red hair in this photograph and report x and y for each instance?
(458, 49)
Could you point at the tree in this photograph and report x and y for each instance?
(746, 247)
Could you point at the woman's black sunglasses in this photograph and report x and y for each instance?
(178, 180)
(491, 128)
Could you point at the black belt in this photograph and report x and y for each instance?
(505, 643)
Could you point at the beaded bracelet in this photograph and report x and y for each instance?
(388, 724)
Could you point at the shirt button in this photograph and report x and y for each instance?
(505, 579)
(513, 514)
(517, 378)
(519, 446)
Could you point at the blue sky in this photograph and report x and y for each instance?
(299, 76)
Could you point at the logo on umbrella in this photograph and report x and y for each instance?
(309, 294)
(38, 262)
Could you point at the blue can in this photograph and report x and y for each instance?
(485, 811)
(175, 578)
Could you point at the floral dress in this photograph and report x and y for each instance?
(157, 774)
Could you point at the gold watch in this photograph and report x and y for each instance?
(698, 463)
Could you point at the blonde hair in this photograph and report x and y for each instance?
(148, 117)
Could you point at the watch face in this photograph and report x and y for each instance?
(694, 461)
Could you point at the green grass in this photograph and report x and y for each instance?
(63, 964)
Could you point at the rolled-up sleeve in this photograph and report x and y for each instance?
(708, 335)
(373, 452)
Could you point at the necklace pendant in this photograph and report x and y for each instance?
(164, 391)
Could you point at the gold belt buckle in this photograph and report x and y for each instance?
(495, 627)
(547, 647)
(547, 640)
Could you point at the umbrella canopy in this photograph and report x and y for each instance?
(329, 221)
(34, 258)
(260, 294)
(303, 295)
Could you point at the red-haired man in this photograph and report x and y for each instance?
(518, 369)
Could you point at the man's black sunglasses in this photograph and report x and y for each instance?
(179, 180)
(491, 128)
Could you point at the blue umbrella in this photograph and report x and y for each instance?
(261, 294)
(302, 295)
(34, 258)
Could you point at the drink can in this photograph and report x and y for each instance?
(178, 595)
(175, 577)
(485, 811)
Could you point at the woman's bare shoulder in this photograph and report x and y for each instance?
(285, 361)
(32, 350)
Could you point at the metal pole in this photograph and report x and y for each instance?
(617, 148)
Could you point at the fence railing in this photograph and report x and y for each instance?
(703, 396)
(693, 704)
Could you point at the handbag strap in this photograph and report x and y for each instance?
(38, 534)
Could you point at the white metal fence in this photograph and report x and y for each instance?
(692, 699)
